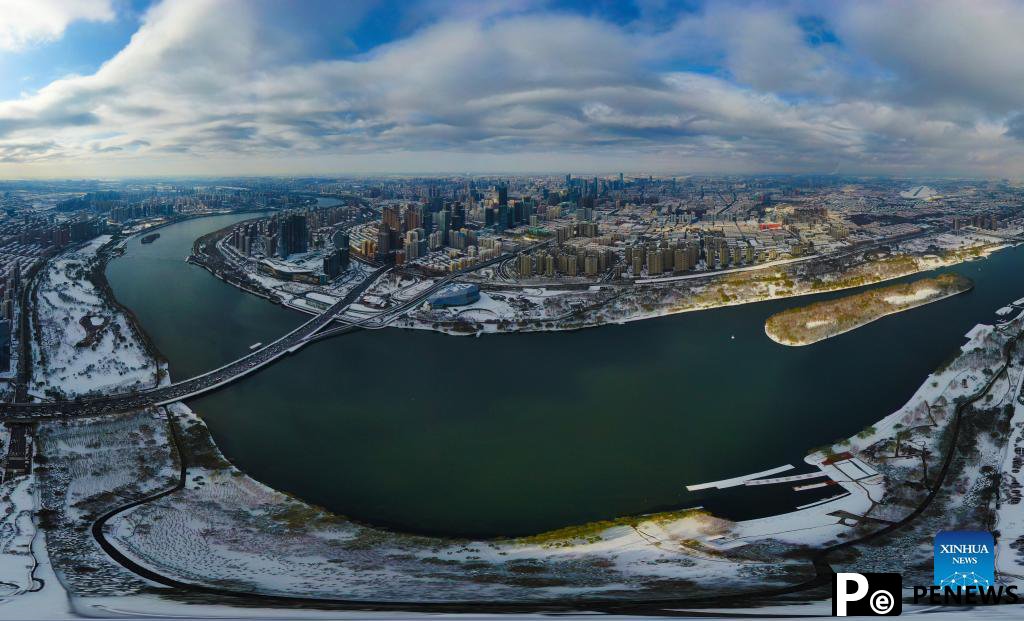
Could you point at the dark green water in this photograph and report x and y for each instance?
(511, 434)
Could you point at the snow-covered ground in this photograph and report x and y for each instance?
(921, 192)
(16, 533)
(917, 296)
(228, 531)
(93, 466)
(29, 589)
(71, 359)
(540, 309)
(1009, 519)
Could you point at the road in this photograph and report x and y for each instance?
(310, 331)
(197, 385)
(382, 319)
(19, 452)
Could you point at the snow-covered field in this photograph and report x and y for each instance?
(229, 531)
(16, 534)
(70, 359)
(540, 309)
(917, 296)
(921, 192)
(92, 466)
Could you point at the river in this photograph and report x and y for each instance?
(520, 433)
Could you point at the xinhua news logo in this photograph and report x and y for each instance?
(964, 572)
(964, 575)
(964, 558)
(867, 595)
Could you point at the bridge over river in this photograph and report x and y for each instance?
(308, 332)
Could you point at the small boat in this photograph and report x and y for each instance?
(149, 239)
(255, 346)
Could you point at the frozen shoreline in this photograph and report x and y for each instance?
(236, 551)
(925, 265)
(907, 305)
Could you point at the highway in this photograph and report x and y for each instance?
(199, 384)
(382, 319)
(310, 331)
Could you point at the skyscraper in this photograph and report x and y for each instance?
(5, 345)
(442, 222)
(294, 236)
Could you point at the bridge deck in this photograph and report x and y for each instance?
(221, 376)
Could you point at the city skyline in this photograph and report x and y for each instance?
(119, 88)
(400, 308)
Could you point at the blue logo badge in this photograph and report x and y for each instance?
(964, 558)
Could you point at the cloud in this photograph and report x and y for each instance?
(29, 22)
(733, 87)
(962, 53)
(26, 151)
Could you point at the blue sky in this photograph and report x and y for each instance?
(127, 87)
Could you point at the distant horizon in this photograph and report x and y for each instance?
(111, 88)
(511, 174)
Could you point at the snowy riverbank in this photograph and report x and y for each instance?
(228, 533)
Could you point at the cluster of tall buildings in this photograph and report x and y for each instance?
(292, 234)
(679, 255)
(685, 254)
(589, 260)
(51, 231)
(985, 221)
(504, 214)
(126, 213)
(150, 201)
(408, 232)
(289, 233)
(337, 259)
(10, 286)
(296, 233)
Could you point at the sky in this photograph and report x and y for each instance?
(114, 88)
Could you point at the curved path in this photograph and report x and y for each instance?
(657, 607)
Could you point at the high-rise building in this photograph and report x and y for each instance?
(435, 241)
(415, 245)
(293, 235)
(383, 240)
(5, 345)
(525, 266)
(393, 217)
(654, 263)
(442, 222)
(570, 265)
(341, 240)
(679, 260)
(332, 264)
(413, 218)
